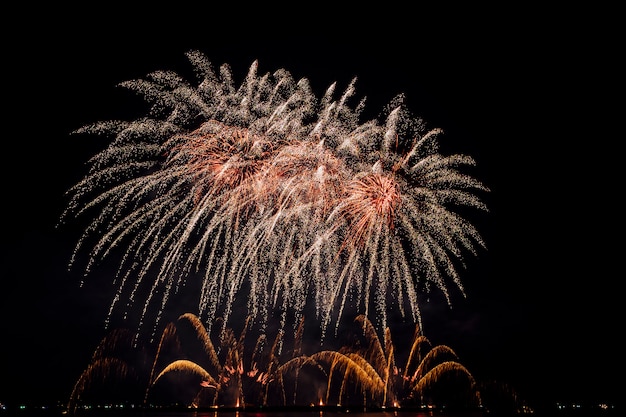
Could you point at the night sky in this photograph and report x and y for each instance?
(528, 93)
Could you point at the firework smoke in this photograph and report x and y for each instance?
(266, 190)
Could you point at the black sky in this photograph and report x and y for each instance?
(529, 93)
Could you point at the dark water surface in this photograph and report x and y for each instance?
(241, 413)
(589, 412)
(278, 413)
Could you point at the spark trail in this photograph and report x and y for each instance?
(266, 189)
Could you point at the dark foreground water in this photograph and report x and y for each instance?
(292, 413)
(241, 413)
(313, 412)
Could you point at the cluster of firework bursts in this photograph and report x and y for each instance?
(193, 369)
(268, 192)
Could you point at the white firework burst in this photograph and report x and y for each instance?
(265, 191)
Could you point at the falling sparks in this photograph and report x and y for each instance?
(265, 191)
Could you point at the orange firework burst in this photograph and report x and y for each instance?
(371, 203)
(225, 162)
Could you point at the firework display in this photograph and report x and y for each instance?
(264, 191)
(234, 373)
